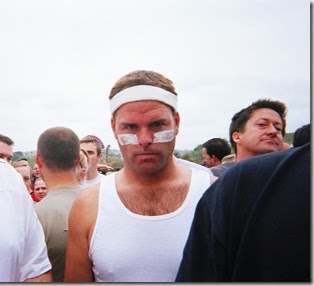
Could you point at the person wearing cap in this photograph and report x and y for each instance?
(92, 145)
(133, 227)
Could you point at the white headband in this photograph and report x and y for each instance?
(142, 92)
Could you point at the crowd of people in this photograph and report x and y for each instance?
(241, 216)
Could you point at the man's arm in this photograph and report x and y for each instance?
(82, 217)
(46, 277)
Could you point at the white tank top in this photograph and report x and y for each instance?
(127, 247)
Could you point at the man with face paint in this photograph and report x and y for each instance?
(132, 227)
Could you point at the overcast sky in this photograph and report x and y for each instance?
(60, 58)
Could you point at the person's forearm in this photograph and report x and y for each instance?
(46, 277)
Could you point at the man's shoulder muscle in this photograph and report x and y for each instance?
(85, 208)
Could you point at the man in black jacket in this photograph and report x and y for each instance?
(253, 224)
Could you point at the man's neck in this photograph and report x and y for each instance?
(243, 155)
(165, 175)
(60, 179)
(91, 174)
(152, 195)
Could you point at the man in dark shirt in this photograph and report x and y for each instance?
(253, 224)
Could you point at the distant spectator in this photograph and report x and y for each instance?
(25, 172)
(92, 145)
(23, 161)
(36, 171)
(82, 168)
(6, 150)
(302, 135)
(58, 151)
(257, 129)
(214, 150)
(35, 174)
(40, 189)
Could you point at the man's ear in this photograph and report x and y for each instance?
(39, 161)
(236, 137)
(214, 159)
(99, 156)
(177, 123)
(82, 174)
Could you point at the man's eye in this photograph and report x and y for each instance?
(129, 127)
(158, 124)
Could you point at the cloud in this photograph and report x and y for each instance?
(59, 60)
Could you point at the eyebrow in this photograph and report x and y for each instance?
(128, 123)
(267, 119)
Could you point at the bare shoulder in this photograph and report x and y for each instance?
(88, 195)
(45, 277)
(82, 220)
(84, 209)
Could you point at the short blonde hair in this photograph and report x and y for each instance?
(84, 161)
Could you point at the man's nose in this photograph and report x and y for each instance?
(145, 138)
(272, 129)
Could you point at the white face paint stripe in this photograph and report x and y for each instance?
(159, 137)
(127, 139)
(163, 136)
